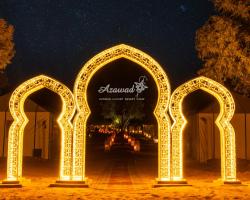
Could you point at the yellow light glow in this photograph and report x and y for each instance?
(160, 112)
(227, 134)
(16, 131)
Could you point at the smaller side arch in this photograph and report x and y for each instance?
(227, 134)
(16, 131)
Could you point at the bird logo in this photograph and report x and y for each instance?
(140, 86)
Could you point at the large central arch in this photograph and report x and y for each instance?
(83, 110)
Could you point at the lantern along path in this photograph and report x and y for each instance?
(119, 168)
(121, 156)
(124, 173)
(141, 169)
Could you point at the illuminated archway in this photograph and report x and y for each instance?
(160, 112)
(15, 141)
(227, 134)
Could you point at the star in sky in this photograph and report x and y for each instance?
(57, 37)
(183, 8)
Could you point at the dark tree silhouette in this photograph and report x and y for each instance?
(7, 51)
(223, 44)
(121, 113)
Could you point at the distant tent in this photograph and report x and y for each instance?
(37, 131)
(204, 134)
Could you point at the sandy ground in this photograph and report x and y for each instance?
(122, 174)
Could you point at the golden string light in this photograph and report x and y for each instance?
(160, 112)
(73, 138)
(227, 134)
(16, 131)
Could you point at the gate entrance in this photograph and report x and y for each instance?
(15, 141)
(73, 143)
(83, 111)
(227, 134)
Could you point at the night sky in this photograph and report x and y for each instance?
(56, 37)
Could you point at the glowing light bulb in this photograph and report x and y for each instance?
(227, 134)
(160, 112)
(16, 131)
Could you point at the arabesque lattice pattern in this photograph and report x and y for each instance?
(16, 131)
(160, 112)
(227, 134)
